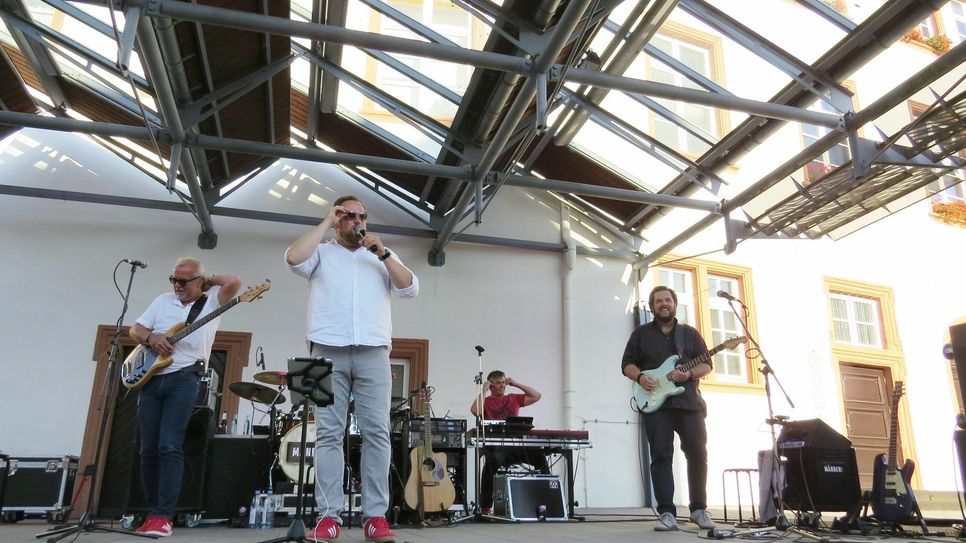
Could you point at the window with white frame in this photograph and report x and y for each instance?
(697, 58)
(834, 157)
(958, 9)
(728, 365)
(682, 281)
(855, 320)
(447, 19)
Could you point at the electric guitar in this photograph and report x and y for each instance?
(429, 488)
(143, 363)
(892, 498)
(649, 402)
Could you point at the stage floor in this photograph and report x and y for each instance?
(600, 526)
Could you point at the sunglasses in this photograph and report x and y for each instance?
(351, 215)
(182, 282)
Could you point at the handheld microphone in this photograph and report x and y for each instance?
(137, 263)
(361, 230)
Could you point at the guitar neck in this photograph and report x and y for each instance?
(198, 323)
(704, 357)
(427, 432)
(893, 462)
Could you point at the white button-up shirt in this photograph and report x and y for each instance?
(167, 311)
(349, 293)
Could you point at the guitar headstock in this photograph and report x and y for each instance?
(255, 291)
(897, 391)
(734, 342)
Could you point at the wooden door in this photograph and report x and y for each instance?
(867, 393)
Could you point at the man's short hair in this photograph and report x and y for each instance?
(189, 261)
(495, 374)
(659, 288)
(343, 199)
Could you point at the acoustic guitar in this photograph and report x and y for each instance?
(892, 497)
(649, 402)
(429, 488)
(143, 362)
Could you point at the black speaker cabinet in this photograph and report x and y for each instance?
(237, 467)
(122, 490)
(820, 469)
(535, 497)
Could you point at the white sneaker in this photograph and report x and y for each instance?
(666, 523)
(702, 519)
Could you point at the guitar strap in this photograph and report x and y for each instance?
(196, 309)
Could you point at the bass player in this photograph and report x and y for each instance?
(166, 401)
(648, 347)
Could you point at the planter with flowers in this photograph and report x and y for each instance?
(953, 213)
(939, 43)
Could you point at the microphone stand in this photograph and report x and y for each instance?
(108, 395)
(781, 522)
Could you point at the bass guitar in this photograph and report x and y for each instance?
(429, 488)
(892, 497)
(649, 402)
(143, 363)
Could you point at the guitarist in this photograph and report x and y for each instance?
(499, 405)
(166, 401)
(648, 347)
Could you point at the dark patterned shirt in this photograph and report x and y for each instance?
(648, 348)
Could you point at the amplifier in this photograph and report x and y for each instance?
(535, 497)
(447, 433)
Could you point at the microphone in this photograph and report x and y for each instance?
(137, 263)
(726, 296)
(361, 230)
(479, 349)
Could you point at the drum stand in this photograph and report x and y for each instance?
(310, 382)
(108, 395)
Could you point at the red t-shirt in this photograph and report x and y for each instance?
(505, 406)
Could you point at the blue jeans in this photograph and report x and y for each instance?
(164, 409)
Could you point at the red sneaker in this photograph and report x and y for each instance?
(325, 531)
(157, 526)
(377, 530)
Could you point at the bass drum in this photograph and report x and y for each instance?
(289, 453)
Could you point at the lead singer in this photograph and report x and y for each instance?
(351, 279)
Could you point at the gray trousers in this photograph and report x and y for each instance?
(364, 371)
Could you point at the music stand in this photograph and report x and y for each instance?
(109, 393)
(308, 381)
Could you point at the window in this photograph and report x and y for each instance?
(855, 320)
(928, 27)
(959, 18)
(831, 159)
(698, 55)
(696, 284)
(447, 19)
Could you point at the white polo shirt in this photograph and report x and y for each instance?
(349, 293)
(166, 311)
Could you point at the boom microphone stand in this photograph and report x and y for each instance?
(108, 396)
(781, 522)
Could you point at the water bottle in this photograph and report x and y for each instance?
(268, 511)
(253, 511)
(234, 424)
(248, 424)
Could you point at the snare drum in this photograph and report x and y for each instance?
(289, 452)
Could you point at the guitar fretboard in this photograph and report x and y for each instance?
(691, 364)
(180, 334)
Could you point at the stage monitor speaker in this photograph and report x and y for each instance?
(820, 472)
(534, 497)
(237, 467)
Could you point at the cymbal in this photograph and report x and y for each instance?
(256, 392)
(277, 378)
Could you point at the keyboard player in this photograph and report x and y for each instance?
(498, 405)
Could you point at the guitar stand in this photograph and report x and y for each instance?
(309, 381)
